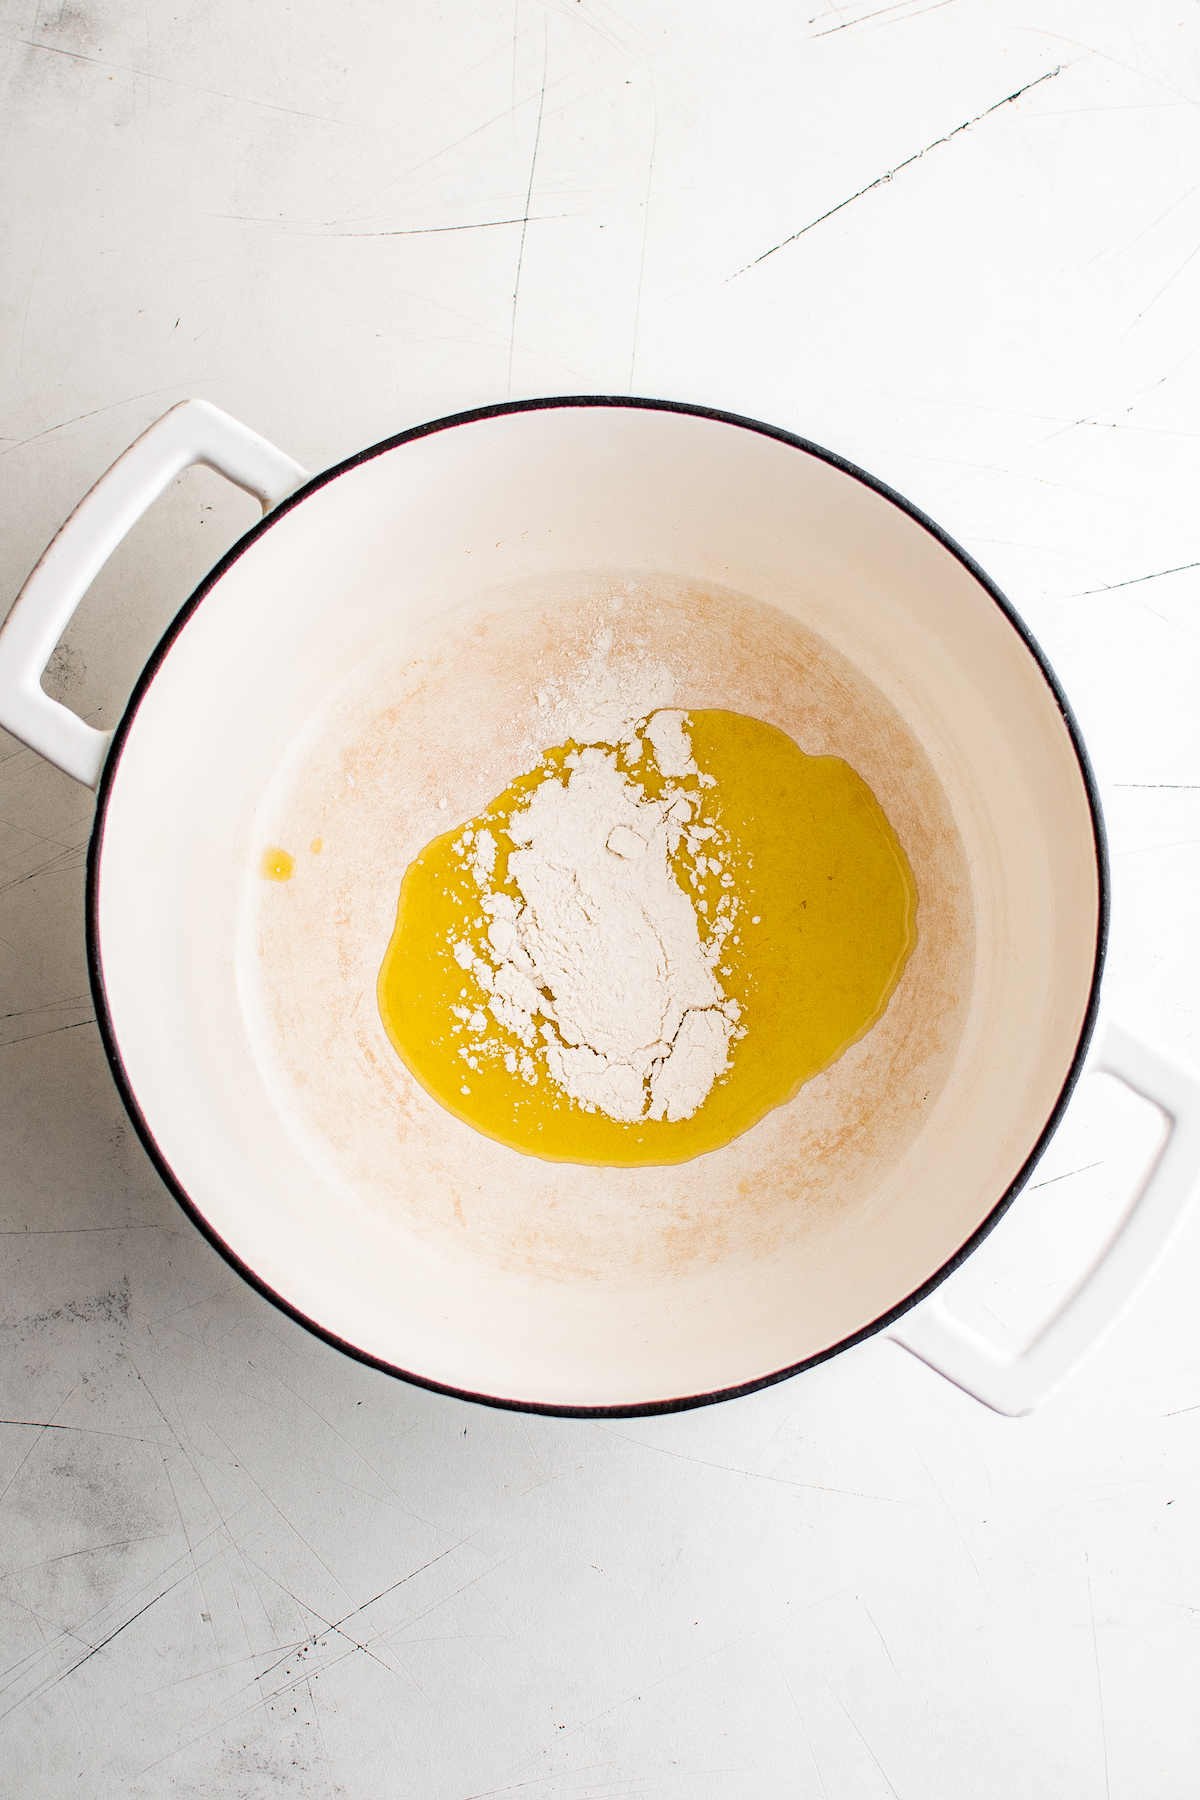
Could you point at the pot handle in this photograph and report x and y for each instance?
(192, 432)
(1015, 1384)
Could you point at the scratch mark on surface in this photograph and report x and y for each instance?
(152, 1537)
(862, 1740)
(101, 62)
(275, 1507)
(56, 865)
(130, 399)
(37, 1425)
(800, 1717)
(1138, 45)
(49, 1032)
(434, 156)
(24, 1012)
(1145, 849)
(1099, 1683)
(869, 18)
(546, 1478)
(1092, 50)
(1005, 1329)
(1020, 412)
(228, 1665)
(69, 1231)
(308, 1607)
(636, 1694)
(882, 180)
(1153, 301)
(514, 1787)
(1051, 1179)
(513, 89)
(38, 838)
(445, 1600)
(76, 1633)
(802, 1398)
(123, 1626)
(436, 230)
(537, 138)
(1110, 587)
(637, 310)
(1146, 229)
(886, 1651)
(814, 1487)
(124, 1437)
(354, 1650)
(50, 1643)
(1039, 165)
(33, 1446)
(384, 1592)
(312, 1701)
(205, 1602)
(1179, 787)
(223, 1724)
(354, 1451)
(326, 228)
(1155, 614)
(937, 1490)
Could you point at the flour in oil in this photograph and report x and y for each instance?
(641, 947)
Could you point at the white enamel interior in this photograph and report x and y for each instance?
(390, 547)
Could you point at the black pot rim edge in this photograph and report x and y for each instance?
(648, 1408)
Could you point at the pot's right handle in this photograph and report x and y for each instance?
(1016, 1384)
(192, 432)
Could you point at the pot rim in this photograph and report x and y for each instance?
(647, 1408)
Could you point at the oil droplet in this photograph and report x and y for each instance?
(276, 864)
(315, 846)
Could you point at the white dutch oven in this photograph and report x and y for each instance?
(363, 668)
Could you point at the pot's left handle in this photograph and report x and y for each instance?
(192, 432)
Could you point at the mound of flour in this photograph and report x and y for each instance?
(598, 961)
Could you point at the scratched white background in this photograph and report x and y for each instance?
(233, 1563)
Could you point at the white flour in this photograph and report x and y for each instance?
(598, 966)
(603, 694)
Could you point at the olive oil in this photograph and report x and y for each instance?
(824, 911)
(277, 864)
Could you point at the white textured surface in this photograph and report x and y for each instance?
(235, 1563)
